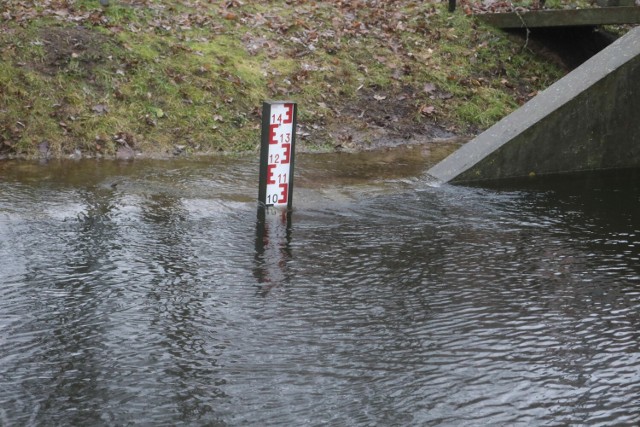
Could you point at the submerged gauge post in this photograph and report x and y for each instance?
(277, 153)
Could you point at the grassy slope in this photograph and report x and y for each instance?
(156, 74)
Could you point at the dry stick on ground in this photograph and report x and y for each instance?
(526, 42)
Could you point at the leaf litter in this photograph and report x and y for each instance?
(364, 72)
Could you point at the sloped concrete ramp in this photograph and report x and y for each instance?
(588, 120)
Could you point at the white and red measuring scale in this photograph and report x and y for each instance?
(277, 153)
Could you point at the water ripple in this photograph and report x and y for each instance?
(150, 295)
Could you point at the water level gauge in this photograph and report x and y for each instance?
(277, 153)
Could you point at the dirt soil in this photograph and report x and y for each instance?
(62, 44)
(372, 121)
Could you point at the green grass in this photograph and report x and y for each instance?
(185, 73)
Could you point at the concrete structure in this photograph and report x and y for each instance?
(588, 120)
(563, 17)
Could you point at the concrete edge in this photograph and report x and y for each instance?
(545, 103)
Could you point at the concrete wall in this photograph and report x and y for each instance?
(588, 120)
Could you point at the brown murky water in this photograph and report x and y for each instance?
(145, 293)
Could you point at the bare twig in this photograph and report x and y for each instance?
(524, 24)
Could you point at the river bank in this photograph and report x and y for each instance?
(154, 79)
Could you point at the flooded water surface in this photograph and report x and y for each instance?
(146, 293)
